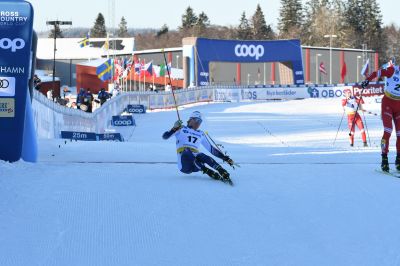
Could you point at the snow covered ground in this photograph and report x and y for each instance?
(297, 200)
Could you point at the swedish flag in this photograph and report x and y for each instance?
(84, 42)
(104, 70)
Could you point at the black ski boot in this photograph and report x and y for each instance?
(224, 174)
(397, 163)
(365, 144)
(385, 163)
(211, 173)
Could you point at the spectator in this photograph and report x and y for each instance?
(65, 91)
(79, 98)
(50, 95)
(103, 96)
(168, 87)
(88, 100)
(117, 90)
(36, 82)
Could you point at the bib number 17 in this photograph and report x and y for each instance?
(192, 139)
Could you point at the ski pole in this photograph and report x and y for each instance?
(217, 147)
(366, 127)
(340, 125)
(170, 80)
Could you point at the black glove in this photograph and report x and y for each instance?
(365, 83)
(227, 159)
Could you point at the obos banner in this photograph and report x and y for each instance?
(337, 92)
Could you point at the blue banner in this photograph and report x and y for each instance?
(89, 136)
(285, 51)
(123, 121)
(136, 109)
(16, 27)
(110, 136)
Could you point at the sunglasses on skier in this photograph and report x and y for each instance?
(197, 120)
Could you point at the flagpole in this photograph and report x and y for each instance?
(265, 74)
(153, 78)
(134, 81)
(144, 78)
(130, 78)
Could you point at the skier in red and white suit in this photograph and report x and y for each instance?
(390, 110)
(350, 105)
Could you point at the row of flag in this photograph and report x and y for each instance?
(121, 67)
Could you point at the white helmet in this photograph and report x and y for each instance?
(196, 114)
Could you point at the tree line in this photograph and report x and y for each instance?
(355, 23)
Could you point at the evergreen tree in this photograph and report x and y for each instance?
(364, 18)
(57, 32)
(202, 23)
(343, 32)
(123, 29)
(373, 32)
(291, 17)
(189, 19)
(203, 20)
(324, 17)
(393, 41)
(164, 30)
(99, 28)
(244, 30)
(260, 28)
(355, 20)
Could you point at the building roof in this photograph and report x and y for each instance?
(68, 48)
(93, 63)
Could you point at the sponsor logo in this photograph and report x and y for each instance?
(135, 110)
(204, 74)
(7, 86)
(314, 93)
(139, 109)
(249, 95)
(123, 121)
(12, 18)
(325, 93)
(12, 70)
(14, 45)
(243, 50)
(284, 93)
(372, 90)
(7, 107)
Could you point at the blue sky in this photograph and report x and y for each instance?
(154, 13)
